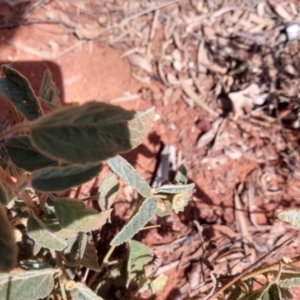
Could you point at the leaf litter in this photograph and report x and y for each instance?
(237, 69)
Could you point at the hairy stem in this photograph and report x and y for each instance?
(78, 192)
(105, 262)
(20, 127)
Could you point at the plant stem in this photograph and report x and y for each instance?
(42, 198)
(64, 277)
(28, 201)
(17, 115)
(149, 227)
(274, 267)
(103, 265)
(107, 256)
(78, 192)
(20, 127)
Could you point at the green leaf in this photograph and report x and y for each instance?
(55, 227)
(8, 248)
(164, 208)
(291, 216)
(179, 202)
(90, 258)
(25, 156)
(126, 171)
(54, 179)
(74, 215)
(174, 188)
(33, 264)
(237, 291)
(139, 256)
(286, 294)
(159, 283)
(16, 89)
(143, 284)
(48, 90)
(181, 175)
(140, 217)
(80, 291)
(273, 292)
(108, 191)
(42, 235)
(31, 285)
(289, 280)
(6, 193)
(255, 295)
(75, 250)
(90, 133)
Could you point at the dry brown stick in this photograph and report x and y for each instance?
(152, 32)
(198, 99)
(143, 12)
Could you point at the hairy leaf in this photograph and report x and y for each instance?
(55, 227)
(174, 188)
(90, 258)
(25, 156)
(164, 208)
(179, 202)
(143, 284)
(289, 280)
(90, 133)
(16, 89)
(108, 191)
(159, 283)
(48, 90)
(126, 171)
(8, 248)
(31, 285)
(42, 235)
(80, 291)
(273, 292)
(74, 215)
(53, 179)
(75, 250)
(256, 295)
(181, 175)
(33, 264)
(139, 256)
(291, 216)
(237, 291)
(286, 294)
(141, 216)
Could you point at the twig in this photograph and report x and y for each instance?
(198, 100)
(126, 98)
(78, 190)
(45, 55)
(250, 269)
(150, 227)
(214, 280)
(152, 32)
(143, 12)
(14, 130)
(103, 265)
(87, 271)
(28, 201)
(63, 278)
